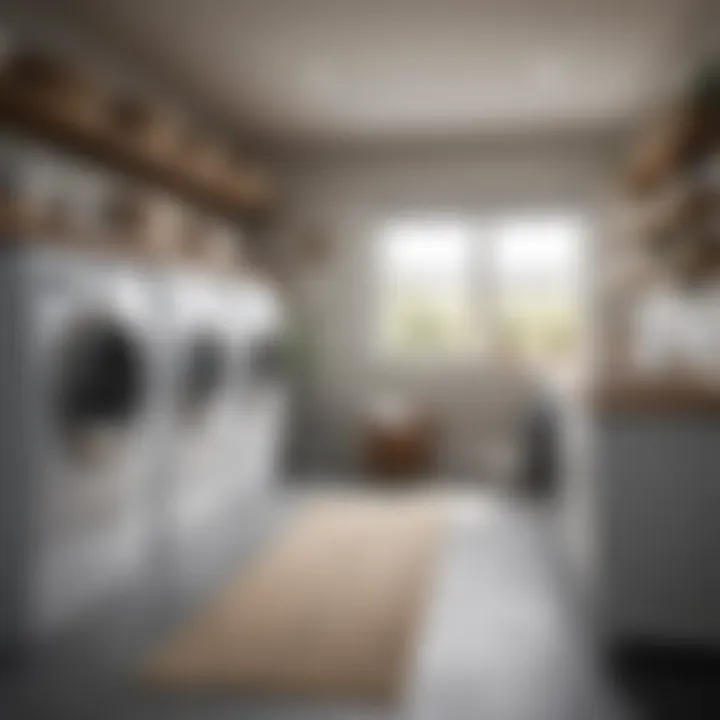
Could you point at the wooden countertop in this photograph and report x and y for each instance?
(657, 396)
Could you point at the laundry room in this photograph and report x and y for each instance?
(359, 359)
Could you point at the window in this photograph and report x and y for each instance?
(452, 286)
(538, 303)
(424, 298)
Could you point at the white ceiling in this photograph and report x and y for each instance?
(299, 70)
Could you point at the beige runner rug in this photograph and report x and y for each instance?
(330, 609)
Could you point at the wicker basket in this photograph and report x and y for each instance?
(203, 159)
(156, 132)
(250, 186)
(146, 224)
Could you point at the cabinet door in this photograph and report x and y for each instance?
(659, 484)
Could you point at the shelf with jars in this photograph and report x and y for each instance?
(46, 98)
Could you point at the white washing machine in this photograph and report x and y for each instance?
(202, 353)
(261, 392)
(229, 403)
(78, 434)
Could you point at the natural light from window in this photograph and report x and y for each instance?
(453, 286)
(424, 303)
(538, 287)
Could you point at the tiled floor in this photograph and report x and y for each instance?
(502, 639)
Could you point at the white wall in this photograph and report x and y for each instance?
(347, 197)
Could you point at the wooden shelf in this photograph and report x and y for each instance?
(674, 203)
(678, 139)
(247, 193)
(659, 153)
(23, 232)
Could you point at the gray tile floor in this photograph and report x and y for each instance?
(503, 638)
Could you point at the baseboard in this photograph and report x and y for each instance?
(665, 656)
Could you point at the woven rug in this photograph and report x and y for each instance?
(330, 609)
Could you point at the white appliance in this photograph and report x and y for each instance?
(201, 348)
(78, 432)
(262, 400)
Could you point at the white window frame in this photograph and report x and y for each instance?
(482, 283)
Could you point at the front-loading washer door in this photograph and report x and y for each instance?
(90, 528)
(101, 384)
(265, 362)
(203, 403)
(203, 373)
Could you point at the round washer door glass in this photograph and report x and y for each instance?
(267, 359)
(203, 372)
(102, 376)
